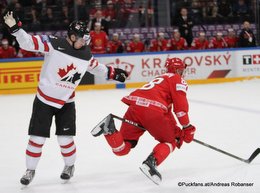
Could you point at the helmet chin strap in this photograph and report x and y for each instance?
(69, 36)
(73, 43)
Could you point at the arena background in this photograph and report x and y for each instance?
(226, 114)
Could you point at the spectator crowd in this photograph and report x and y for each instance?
(103, 15)
(216, 11)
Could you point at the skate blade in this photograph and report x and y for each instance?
(155, 179)
(24, 187)
(97, 130)
(65, 181)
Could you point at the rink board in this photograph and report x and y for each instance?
(210, 66)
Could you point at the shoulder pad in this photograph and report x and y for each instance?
(45, 38)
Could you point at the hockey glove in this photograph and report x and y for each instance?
(116, 74)
(186, 134)
(12, 22)
(179, 137)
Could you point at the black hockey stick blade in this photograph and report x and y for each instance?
(249, 160)
(254, 154)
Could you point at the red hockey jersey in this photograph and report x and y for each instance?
(159, 45)
(199, 45)
(98, 42)
(112, 46)
(161, 94)
(7, 53)
(231, 41)
(218, 43)
(180, 44)
(135, 46)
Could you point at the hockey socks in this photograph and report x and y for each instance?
(34, 151)
(117, 143)
(161, 152)
(33, 155)
(68, 149)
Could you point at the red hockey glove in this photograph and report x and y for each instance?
(116, 74)
(188, 133)
(179, 137)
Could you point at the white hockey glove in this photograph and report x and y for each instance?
(12, 22)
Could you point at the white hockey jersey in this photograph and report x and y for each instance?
(63, 66)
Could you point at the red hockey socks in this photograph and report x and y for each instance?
(161, 151)
(117, 143)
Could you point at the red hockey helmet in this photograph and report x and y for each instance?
(175, 65)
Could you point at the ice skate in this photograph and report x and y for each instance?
(149, 169)
(106, 126)
(27, 177)
(67, 172)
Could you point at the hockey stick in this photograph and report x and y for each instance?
(249, 160)
(128, 121)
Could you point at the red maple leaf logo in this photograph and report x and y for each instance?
(63, 72)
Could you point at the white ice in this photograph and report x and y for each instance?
(226, 116)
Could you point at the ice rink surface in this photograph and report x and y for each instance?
(226, 115)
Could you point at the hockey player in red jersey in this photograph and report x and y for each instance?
(136, 45)
(218, 41)
(99, 40)
(159, 44)
(177, 42)
(231, 38)
(65, 62)
(115, 45)
(7, 51)
(200, 43)
(151, 107)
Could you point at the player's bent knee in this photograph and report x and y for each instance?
(122, 153)
(171, 146)
(132, 142)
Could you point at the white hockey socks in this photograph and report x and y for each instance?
(34, 151)
(68, 149)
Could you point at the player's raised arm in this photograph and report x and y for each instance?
(35, 43)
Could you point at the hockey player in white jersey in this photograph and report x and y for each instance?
(65, 62)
